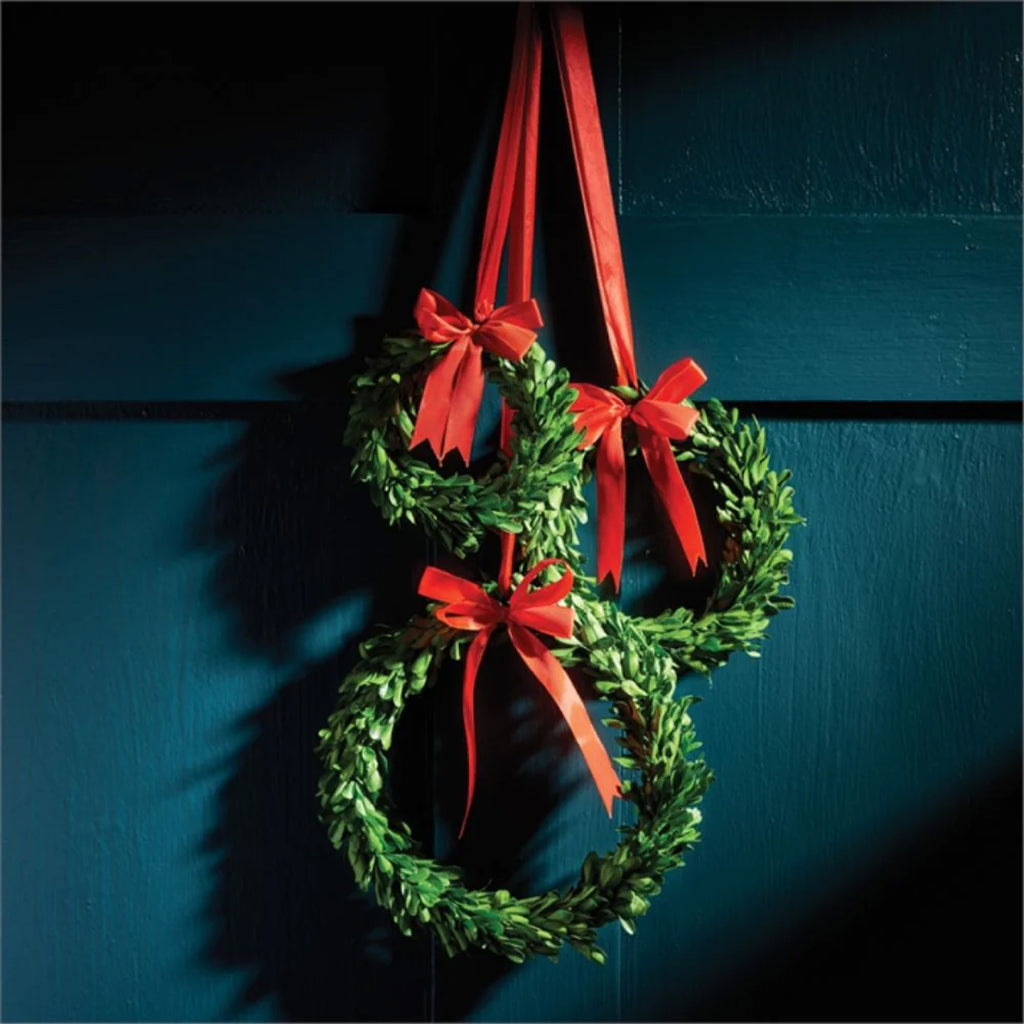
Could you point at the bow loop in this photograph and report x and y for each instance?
(524, 597)
(472, 616)
(510, 330)
(439, 585)
(677, 382)
(596, 410)
(438, 319)
(665, 418)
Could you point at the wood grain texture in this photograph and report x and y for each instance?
(220, 308)
(132, 111)
(214, 222)
(782, 108)
(176, 620)
(819, 108)
(884, 713)
(812, 309)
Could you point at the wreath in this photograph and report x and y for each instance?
(657, 737)
(515, 494)
(754, 505)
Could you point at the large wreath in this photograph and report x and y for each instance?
(657, 737)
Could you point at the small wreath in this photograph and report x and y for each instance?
(514, 495)
(657, 737)
(755, 508)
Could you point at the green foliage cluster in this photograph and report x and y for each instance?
(657, 737)
(634, 662)
(754, 505)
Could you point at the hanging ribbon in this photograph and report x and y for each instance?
(451, 399)
(657, 416)
(520, 249)
(469, 607)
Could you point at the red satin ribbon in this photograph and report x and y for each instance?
(451, 399)
(520, 249)
(658, 418)
(469, 607)
(577, 78)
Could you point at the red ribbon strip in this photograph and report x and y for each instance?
(658, 418)
(451, 398)
(595, 183)
(520, 248)
(469, 607)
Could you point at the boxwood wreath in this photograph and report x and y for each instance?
(656, 733)
(513, 494)
(755, 507)
(537, 493)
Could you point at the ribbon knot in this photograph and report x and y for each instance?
(658, 418)
(469, 607)
(455, 385)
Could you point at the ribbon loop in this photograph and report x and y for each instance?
(469, 607)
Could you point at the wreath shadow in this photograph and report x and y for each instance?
(304, 556)
(300, 545)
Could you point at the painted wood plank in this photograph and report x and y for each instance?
(820, 108)
(128, 111)
(880, 729)
(774, 308)
(173, 307)
(179, 604)
(795, 308)
(803, 108)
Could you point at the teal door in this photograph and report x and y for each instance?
(211, 215)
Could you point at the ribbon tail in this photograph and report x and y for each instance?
(675, 496)
(432, 417)
(611, 504)
(550, 674)
(464, 403)
(473, 657)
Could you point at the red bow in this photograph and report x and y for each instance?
(469, 607)
(657, 416)
(455, 386)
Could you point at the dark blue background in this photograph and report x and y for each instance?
(213, 211)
